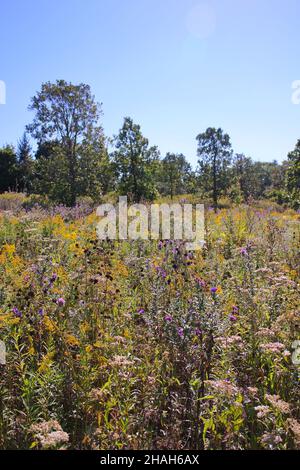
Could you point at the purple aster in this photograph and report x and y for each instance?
(17, 312)
(180, 332)
(61, 301)
(168, 318)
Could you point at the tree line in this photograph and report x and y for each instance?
(74, 159)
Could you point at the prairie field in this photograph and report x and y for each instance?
(144, 345)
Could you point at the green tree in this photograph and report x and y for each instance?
(25, 164)
(135, 162)
(176, 174)
(214, 159)
(8, 169)
(69, 115)
(293, 176)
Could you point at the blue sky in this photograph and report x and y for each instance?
(175, 66)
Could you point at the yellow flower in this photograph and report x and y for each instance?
(71, 340)
(9, 249)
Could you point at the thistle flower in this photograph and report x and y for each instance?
(17, 312)
(168, 318)
(180, 332)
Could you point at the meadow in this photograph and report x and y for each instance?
(143, 345)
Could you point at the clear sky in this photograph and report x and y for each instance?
(175, 66)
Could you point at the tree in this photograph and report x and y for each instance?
(293, 176)
(135, 162)
(25, 163)
(215, 156)
(8, 169)
(69, 115)
(176, 173)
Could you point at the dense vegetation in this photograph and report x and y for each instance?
(74, 159)
(118, 345)
(135, 344)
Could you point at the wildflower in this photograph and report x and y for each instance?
(198, 332)
(200, 282)
(53, 278)
(271, 440)
(243, 251)
(121, 361)
(294, 427)
(232, 318)
(61, 301)
(223, 386)
(262, 411)
(213, 290)
(273, 347)
(141, 311)
(17, 312)
(180, 331)
(279, 404)
(41, 312)
(168, 318)
(49, 434)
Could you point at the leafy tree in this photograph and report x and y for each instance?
(293, 176)
(215, 156)
(69, 115)
(135, 162)
(8, 169)
(25, 163)
(176, 174)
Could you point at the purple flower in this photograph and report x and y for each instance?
(233, 318)
(235, 309)
(41, 312)
(53, 278)
(213, 290)
(200, 282)
(198, 332)
(244, 251)
(141, 311)
(168, 318)
(61, 302)
(17, 312)
(180, 331)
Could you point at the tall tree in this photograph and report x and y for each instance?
(8, 169)
(25, 163)
(215, 156)
(293, 176)
(176, 172)
(135, 162)
(68, 114)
